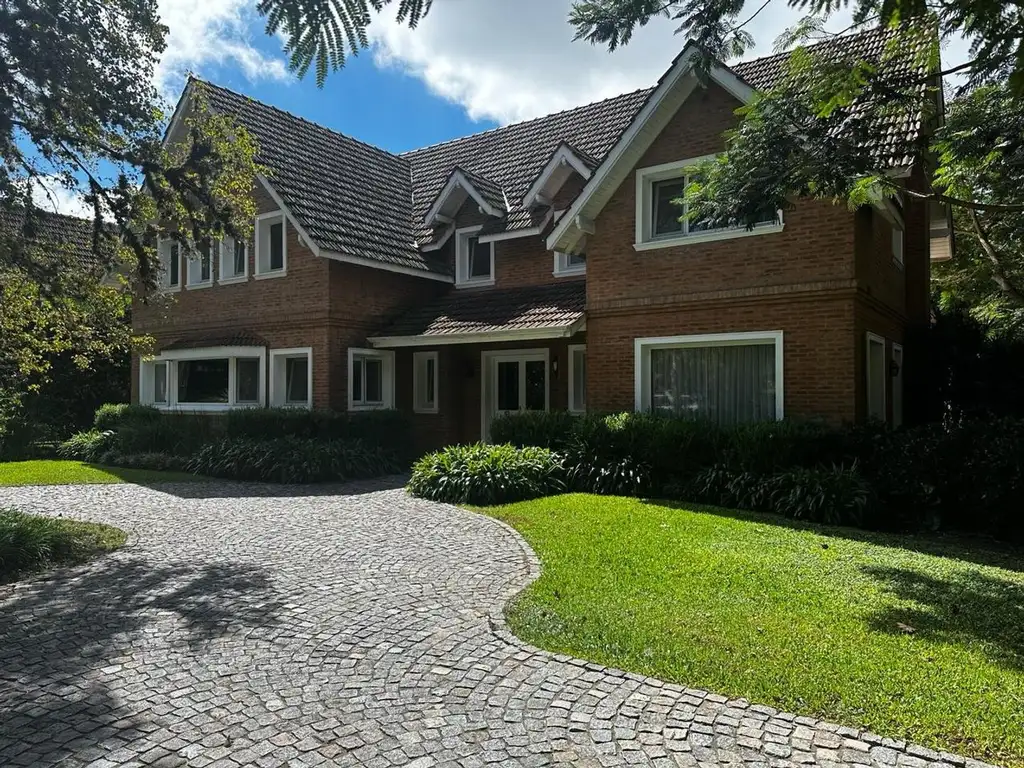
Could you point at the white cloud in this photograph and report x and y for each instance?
(212, 32)
(509, 61)
(49, 193)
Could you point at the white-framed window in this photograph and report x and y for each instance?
(211, 379)
(897, 384)
(876, 371)
(371, 379)
(234, 260)
(474, 261)
(897, 245)
(727, 378)
(424, 382)
(271, 244)
(661, 223)
(169, 253)
(291, 377)
(577, 377)
(570, 264)
(200, 266)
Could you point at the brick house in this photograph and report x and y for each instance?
(541, 266)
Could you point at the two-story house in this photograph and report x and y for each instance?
(542, 265)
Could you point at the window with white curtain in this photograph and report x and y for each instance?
(725, 378)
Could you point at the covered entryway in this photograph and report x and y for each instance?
(513, 380)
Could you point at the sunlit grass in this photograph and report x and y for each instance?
(59, 472)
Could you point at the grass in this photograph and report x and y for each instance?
(33, 542)
(74, 472)
(913, 637)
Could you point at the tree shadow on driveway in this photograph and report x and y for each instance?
(80, 672)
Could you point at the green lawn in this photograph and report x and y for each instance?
(71, 472)
(913, 637)
(33, 542)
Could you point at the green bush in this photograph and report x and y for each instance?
(487, 474)
(115, 415)
(86, 446)
(176, 434)
(291, 460)
(29, 542)
(161, 462)
(385, 428)
(542, 429)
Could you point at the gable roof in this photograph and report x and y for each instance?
(460, 184)
(365, 204)
(57, 231)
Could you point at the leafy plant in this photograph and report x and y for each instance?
(487, 474)
(86, 446)
(543, 429)
(29, 542)
(115, 415)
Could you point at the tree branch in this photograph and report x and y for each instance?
(998, 273)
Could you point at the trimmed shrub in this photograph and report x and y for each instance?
(487, 474)
(86, 446)
(161, 462)
(542, 429)
(291, 460)
(115, 415)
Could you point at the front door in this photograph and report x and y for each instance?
(514, 381)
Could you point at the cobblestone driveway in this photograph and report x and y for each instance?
(240, 627)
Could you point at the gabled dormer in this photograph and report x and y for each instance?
(463, 185)
(565, 163)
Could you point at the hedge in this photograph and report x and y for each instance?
(963, 475)
(487, 474)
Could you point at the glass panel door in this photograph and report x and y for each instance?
(535, 391)
(506, 381)
(515, 382)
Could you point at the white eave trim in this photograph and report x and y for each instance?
(562, 156)
(439, 244)
(517, 233)
(459, 180)
(445, 339)
(397, 268)
(680, 68)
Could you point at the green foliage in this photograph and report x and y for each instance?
(544, 429)
(117, 415)
(487, 474)
(87, 446)
(31, 542)
(291, 460)
(66, 472)
(387, 428)
(159, 462)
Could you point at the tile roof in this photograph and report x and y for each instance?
(356, 199)
(54, 230)
(557, 307)
(237, 339)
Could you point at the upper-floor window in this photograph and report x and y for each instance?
(897, 245)
(234, 260)
(169, 253)
(271, 244)
(570, 264)
(474, 260)
(200, 266)
(662, 218)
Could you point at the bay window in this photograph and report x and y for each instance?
(211, 379)
(729, 378)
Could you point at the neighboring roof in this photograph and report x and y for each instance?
(363, 202)
(547, 310)
(54, 230)
(236, 339)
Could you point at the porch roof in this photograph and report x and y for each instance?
(243, 338)
(471, 316)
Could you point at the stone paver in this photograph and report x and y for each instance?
(252, 626)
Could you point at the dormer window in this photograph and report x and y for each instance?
(271, 244)
(567, 264)
(475, 260)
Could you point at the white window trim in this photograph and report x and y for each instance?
(573, 405)
(869, 337)
(225, 256)
(563, 269)
(268, 273)
(190, 260)
(423, 357)
(172, 358)
(645, 240)
(462, 260)
(274, 394)
(387, 379)
(642, 359)
(165, 276)
(488, 359)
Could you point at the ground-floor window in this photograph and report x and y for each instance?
(577, 377)
(728, 378)
(209, 379)
(370, 379)
(291, 378)
(877, 370)
(424, 382)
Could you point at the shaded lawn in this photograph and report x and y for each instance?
(73, 472)
(892, 633)
(34, 542)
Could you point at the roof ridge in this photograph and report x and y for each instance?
(293, 116)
